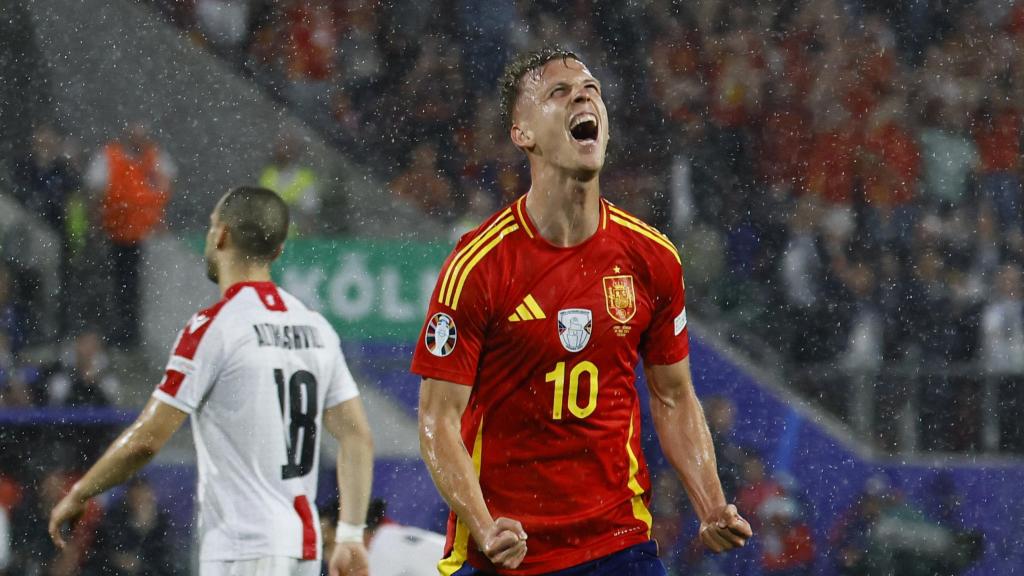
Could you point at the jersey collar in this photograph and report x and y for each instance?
(237, 287)
(519, 208)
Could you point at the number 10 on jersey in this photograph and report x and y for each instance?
(557, 376)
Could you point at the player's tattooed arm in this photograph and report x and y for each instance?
(502, 540)
(686, 441)
(126, 455)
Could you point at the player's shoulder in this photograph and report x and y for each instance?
(639, 233)
(495, 227)
(478, 250)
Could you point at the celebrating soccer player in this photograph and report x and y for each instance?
(260, 374)
(529, 419)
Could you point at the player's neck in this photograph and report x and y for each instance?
(234, 273)
(565, 211)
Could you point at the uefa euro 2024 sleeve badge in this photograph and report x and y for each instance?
(574, 327)
(441, 335)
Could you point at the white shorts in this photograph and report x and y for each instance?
(268, 566)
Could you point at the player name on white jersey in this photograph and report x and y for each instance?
(289, 337)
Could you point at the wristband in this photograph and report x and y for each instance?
(346, 532)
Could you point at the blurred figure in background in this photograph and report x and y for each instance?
(787, 548)
(132, 537)
(84, 377)
(1002, 353)
(46, 181)
(296, 183)
(32, 550)
(132, 176)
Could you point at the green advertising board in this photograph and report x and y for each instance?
(368, 289)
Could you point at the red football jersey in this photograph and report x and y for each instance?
(549, 339)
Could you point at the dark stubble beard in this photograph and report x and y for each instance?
(211, 271)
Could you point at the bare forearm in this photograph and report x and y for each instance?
(452, 469)
(122, 459)
(355, 478)
(687, 445)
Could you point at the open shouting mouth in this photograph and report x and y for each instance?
(584, 128)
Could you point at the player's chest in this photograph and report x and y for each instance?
(593, 302)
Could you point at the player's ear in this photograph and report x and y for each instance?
(522, 136)
(221, 237)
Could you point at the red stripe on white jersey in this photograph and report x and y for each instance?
(194, 330)
(172, 382)
(308, 530)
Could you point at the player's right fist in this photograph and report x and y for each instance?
(725, 530)
(504, 543)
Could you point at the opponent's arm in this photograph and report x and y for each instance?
(347, 422)
(130, 451)
(441, 406)
(686, 443)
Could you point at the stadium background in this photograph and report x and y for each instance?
(843, 179)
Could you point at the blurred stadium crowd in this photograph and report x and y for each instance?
(844, 178)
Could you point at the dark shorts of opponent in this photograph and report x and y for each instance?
(639, 560)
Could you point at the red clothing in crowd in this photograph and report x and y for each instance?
(891, 179)
(794, 549)
(830, 165)
(135, 198)
(999, 141)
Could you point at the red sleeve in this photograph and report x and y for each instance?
(667, 339)
(449, 344)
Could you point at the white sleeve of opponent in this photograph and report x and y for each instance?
(192, 369)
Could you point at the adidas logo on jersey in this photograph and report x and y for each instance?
(528, 310)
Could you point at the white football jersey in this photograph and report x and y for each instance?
(255, 372)
(397, 550)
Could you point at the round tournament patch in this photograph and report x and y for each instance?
(440, 337)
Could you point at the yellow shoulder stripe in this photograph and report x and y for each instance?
(453, 302)
(653, 235)
(453, 269)
(522, 218)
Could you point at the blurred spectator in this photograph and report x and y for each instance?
(132, 538)
(47, 177)
(950, 158)
(310, 44)
(47, 180)
(423, 184)
(296, 183)
(721, 417)
(1002, 353)
(85, 377)
(787, 548)
(998, 135)
(757, 487)
(883, 534)
(32, 550)
(224, 24)
(132, 175)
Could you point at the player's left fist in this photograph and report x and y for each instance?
(725, 530)
(67, 510)
(349, 559)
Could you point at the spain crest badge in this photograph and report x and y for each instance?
(619, 297)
